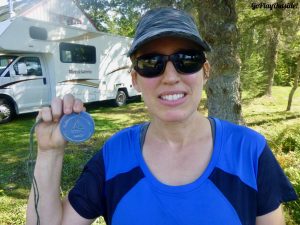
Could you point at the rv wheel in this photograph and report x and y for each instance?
(120, 98)
(6, 111)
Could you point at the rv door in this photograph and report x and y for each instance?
(30, 83)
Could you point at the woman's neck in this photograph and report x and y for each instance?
(179, 134)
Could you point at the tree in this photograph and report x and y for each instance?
(218, 18)
(251, 46)
(97, 11)
(292, 50)
(262, 31)
(295, 85)
(271, 57)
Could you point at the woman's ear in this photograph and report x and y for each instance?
(134, 77)
(206, 70)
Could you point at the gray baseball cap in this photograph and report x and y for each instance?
(166, 22)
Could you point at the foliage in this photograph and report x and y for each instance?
(97, 11)
(287, 145)
(286, 67)
(121, 16)
(253, 78)
(254, 27)
(289, 139)
(289, 49)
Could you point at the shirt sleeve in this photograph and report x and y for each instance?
(273, 185)
(87, 196)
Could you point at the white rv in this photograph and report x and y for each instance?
(40, 60)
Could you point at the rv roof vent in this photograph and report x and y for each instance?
(38, 33)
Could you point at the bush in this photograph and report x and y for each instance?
(288, 140)
(287, 147)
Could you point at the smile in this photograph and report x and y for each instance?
(172, 97)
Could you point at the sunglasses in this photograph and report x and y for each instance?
(185, 62)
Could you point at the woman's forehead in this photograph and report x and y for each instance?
(166, 45)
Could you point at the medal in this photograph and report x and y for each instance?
(77, 127)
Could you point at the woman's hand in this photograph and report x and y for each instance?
(48, 132)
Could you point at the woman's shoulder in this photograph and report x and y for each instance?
(238, 141)
(237, 131)
(240, 148)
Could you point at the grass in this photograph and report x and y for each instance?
(266, 115)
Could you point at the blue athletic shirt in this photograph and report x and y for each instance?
(243, 180)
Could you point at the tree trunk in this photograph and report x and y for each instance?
(295, 86)
(218, 20)
(271, 58)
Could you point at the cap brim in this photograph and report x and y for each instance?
(167, 33)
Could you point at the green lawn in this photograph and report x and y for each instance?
(266, 115)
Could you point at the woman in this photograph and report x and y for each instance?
(181, 168)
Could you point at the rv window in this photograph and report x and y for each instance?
(75, 53)
(38, 33)
(5, 61)
(33, 66)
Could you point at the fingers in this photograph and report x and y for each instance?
(56, 107)
(68, 103)
(59, 107)
(39, 116)
(78, 106)
(46, 114)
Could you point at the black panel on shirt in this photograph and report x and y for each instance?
(241, 196)
(117, 187)
(87, 196)
(273, 186)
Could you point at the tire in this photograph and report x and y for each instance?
(6, 111)
(139, 98)
(121, 98)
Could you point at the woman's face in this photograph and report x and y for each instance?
(170, 97)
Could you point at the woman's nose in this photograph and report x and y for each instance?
(170, 75)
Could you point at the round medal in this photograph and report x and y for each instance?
(77, 127)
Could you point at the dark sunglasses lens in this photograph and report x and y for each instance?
(150, 65)
(188, 62)
(153, 65)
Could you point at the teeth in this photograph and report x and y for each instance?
(172, 97)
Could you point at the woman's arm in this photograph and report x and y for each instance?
(48, 167)
(275, 217)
